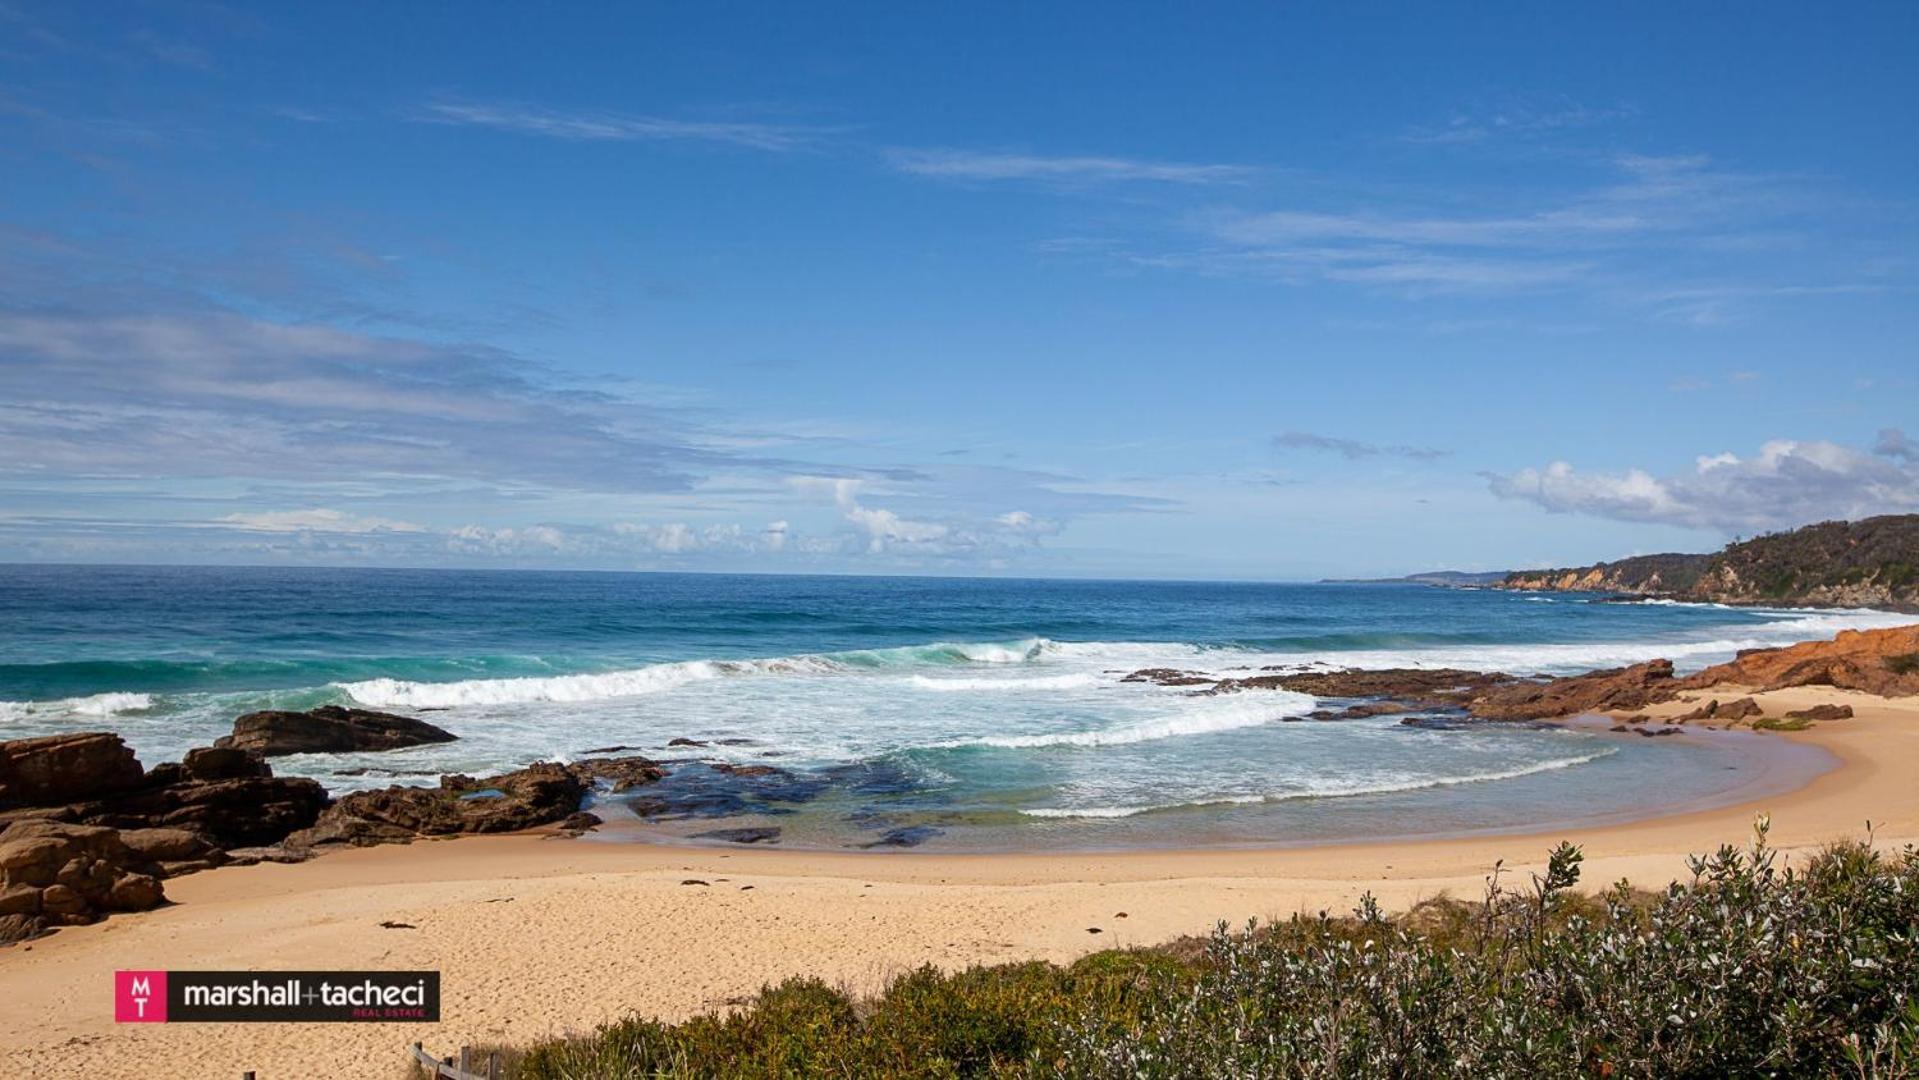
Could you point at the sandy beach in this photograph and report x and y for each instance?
(539, 936)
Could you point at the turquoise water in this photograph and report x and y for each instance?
(988, 710)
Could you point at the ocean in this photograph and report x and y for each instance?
(948, 713)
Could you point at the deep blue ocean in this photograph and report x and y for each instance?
(978, 711)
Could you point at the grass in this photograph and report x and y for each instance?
(1774, 723)
(1746, 969)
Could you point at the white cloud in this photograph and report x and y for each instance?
(883, 527)
(1786, 484)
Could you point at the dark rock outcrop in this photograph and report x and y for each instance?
(237, 812)
(543, 793)
(228, 797)
(1170, 677)
(539, 794)
(1822, 712)
(328, 729)
(1613, 690)
(59, 874)
(56, 769)
(620, 774)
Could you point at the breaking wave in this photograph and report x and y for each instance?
(1222, 714)
(1348, 788)
(92, 705)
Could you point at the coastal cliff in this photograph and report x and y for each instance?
(1868, 563)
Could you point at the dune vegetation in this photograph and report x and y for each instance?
(1757, 965)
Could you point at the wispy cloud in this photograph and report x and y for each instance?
(317, 519)
(1622, 230)
(1516, 120)
(951, 164)
(1786, 484)
(1353, 449)
(605, 126)
(1893, 443)
(216, 394)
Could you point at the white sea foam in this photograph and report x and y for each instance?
(1360, 784)
(93, 705)
(1077, 681)
(1218, 714)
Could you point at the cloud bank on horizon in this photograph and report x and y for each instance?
(1258, 308)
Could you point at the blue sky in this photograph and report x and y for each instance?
(1247, 291)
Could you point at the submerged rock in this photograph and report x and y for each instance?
(906, 836)
(329, 729)
(753, 835)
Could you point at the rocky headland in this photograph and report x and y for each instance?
(1869, 563)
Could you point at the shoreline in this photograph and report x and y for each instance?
(516, 923)
(1783, 766)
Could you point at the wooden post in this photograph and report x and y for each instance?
(248, 1075)
(466, 1059)
(493, 1065)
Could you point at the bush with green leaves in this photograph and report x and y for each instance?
(1746, 969)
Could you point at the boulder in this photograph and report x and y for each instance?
(329, 729)
(60, 874)
(56, 769)
(223, 763)
(1732, 710)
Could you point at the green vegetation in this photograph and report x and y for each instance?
(1881, 551)
(1903, 664)
(1747, 969)
(1774, 723)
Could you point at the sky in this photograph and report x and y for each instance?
(1237, 291)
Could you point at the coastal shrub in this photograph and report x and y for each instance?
(1903, 664)
(1747, 968)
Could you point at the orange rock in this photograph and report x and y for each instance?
(1883, 662)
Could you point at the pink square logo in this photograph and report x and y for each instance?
(139, 997)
